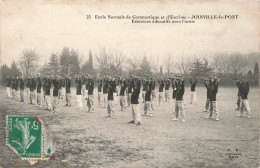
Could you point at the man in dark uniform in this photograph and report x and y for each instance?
(193, 98)
(148, 100)
(144, 83)
(105, 86)
(63, 87)
(122, 94)
(99, 89)
(117, 80)
(78, 92)
(43, 86)
(110, 97)
(56, 88)
(32, 89)
(153, 89)
(135, 103)
(213, 90)
(174, 88)
(244, 105)
(16, 88)
(180, 89)
(161, 86)
(130, 83)
(115, 90)
(239, 86)
(84, 87)
(28, 83)
(21, 81)
(48, 93)
(68, 94)
(207, 84)
(8, 85)
(39, 94)
(13, 87)
(87, 81)
(167, 91)
(90, 101)
(60, 95)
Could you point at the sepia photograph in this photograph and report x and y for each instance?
(131, 84)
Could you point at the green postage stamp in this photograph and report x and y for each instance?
(30, 138)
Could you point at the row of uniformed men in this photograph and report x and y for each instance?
(30, 84)
(111, 89)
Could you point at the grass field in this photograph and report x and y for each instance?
(91, 140)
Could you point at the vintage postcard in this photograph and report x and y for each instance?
(158, 83)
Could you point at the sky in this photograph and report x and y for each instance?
(48, 26)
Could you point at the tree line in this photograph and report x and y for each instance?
(115, 63)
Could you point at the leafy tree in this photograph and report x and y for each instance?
(103, 61)
(206, 69)
(53, 67)
(134, 64)
(65, 60)
(169, 63)
(219, 63)
(69, 62)
(145, 67)
(87, 67)
(113, 70)
(90, 60)
(44, 69)
(28, 62)
(237, 63)
(185, 64)
(5, 72)
(84, 68)
(251, 59)
(197, 68)
(155, 65)
(161, 71)
(14, 70)
(74, 62)
(118, 62)
(200, 68)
